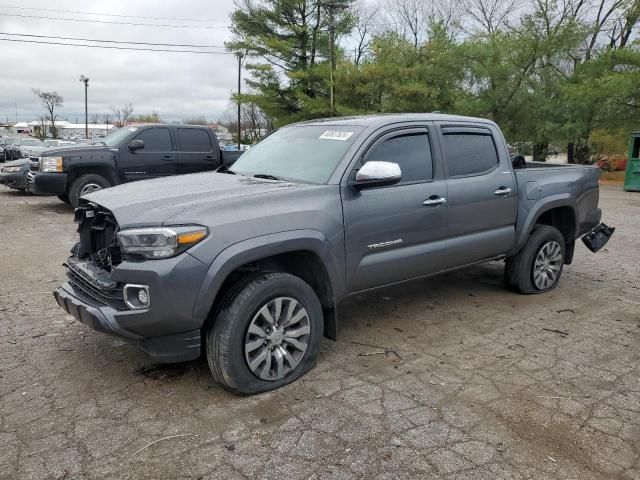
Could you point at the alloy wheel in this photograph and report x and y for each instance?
(89, 188)
(547, 265)
(277, 338)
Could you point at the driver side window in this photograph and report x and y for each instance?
(156, 139)
(412, 152)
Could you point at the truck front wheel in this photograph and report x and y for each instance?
(84, 185)
(266, 333)
(538, 266)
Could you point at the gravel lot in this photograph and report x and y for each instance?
(477, 382)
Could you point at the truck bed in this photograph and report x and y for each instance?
(576, 183)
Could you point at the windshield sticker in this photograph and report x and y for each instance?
(336, 135)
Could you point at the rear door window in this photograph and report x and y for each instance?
(157, 139)
(411, 152)
(194, 140)
(470, 153)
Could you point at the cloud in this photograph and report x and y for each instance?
(175, 85)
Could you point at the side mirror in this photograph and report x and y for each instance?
(135, 145)
(377, 174)
(518, 162)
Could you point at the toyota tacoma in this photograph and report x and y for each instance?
(248, 265)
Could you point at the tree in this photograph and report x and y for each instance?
(153, 117)
(602, 94)
(195, 121)
(489, 15)
(546, 71)
(409, 19)
(121, 114)
(291, 38)
(255, 124)
(365, 16)
(50, 101)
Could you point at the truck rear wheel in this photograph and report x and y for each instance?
(84, 185)
(266, 333)
(538, 266)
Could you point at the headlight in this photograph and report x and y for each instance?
(160, 242)
(51, 164)
(11, 169)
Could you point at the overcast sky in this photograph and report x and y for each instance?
(175, 85)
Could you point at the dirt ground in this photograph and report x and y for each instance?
(477, 382)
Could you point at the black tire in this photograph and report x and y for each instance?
(64, 197)
(519, 269)
(226, 334)
(81, 182)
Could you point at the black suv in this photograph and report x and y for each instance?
(131, 153)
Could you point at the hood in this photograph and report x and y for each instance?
(164, 200)
(74, 150)
(33, 148)
(16, 163)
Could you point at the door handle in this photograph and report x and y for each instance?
(167, 157)
(434, 201)
(209, 157)
(502, 192)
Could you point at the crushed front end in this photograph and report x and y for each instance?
(147, 303)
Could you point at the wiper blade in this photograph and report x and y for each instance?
(266, 176)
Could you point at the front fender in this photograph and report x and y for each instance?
(536, 210)
(261, 247)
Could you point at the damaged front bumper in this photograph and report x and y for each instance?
(167, 331)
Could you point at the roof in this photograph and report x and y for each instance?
(387, 118)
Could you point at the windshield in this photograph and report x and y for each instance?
(32, 143)
(115, 139)
(51, 143)
(305, 153)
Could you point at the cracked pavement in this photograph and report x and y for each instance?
(475, 382)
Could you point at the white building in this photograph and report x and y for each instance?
(65, 128)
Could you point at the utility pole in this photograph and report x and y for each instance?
(239, 90)
(332, 7)
(332, 56)
(85, 80)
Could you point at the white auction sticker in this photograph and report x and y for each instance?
(336, 135)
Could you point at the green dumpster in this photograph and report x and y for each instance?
(632, 175)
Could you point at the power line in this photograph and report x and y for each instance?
(113, 47)
(113, 41)
(114, 14)
(20, 15)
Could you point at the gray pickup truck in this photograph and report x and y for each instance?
(249, 264)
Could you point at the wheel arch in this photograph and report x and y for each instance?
(105, 171)
(306, 254)
(557, 211)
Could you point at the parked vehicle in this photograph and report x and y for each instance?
(129, 154)
(249, 266)
(54, 143)
(9, 149)
(30, 147)
(14, 174)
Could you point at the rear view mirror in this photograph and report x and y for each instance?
(135, 145)
(518, 162)
(377, 174)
